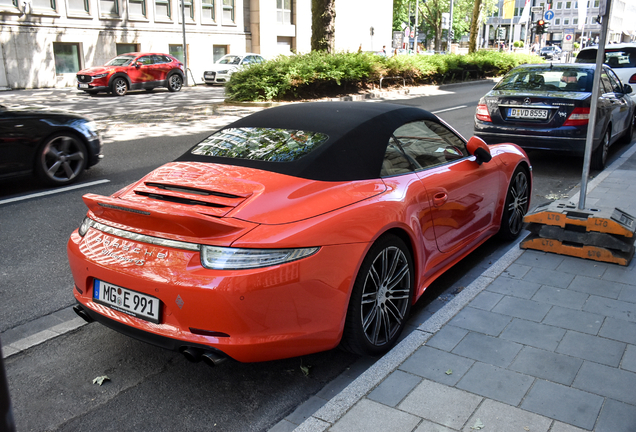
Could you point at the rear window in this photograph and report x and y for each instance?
(544, 79)
(616, 58)
(262, 144)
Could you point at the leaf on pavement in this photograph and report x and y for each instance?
(478, 425)
(100, 379)
(449, 372)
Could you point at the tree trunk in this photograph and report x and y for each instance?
(474, 28)
(323, 30)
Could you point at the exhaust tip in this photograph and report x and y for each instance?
(192, 354)
(82, 313)
(212, 359)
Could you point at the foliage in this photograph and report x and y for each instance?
(319, 74)
(518, 44)
(576, 45)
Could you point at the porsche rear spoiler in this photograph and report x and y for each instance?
(161, 219)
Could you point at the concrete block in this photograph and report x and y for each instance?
(538, 259)
(612, 308)
(496, 383)
(593, 348)
(486, 300)
(595, 286)
(517, 288)
(447, 338)
(607, 381)
(537, 335)
(480, 321)
(560, 297)
(522, 308)
(552, 278)
(433, 364)
(394, 388)
(582, 267)
(616, 417)
(563, 403)
(547, 365)
(620, 330)
(371, 416)
(572, 319)
(487, 349)
(496, 416)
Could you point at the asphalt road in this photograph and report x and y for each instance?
(149, 388)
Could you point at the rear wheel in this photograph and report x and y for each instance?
(119, 87)
(175, 82)
(516, 206)
(381, 298)
(61, 159)
(599, 156)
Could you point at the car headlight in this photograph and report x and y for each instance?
(223, 258)
(102, 75)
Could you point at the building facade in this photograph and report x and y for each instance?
(45, 42)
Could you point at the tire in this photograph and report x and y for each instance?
(516, 205)
(381, 298)
(61, 159)
(92, 92)
(119, 86)
(175, 82)
(599, 155)
(149, 89)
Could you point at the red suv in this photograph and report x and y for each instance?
(133, 71)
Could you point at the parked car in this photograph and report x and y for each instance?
(57, 147)
(551, 52)
(133, 71)
(547, 107)
(293, 230)
(620, 57)
(221, 71)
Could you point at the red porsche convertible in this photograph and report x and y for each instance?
(294, 230)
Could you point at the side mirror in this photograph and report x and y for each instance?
(478, 148)
(627, 89)
(137, 65)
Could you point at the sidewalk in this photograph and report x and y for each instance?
(539, 342)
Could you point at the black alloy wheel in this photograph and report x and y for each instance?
(62, 158)
(516, 205)
(119, 87)
(381, 298)
(599, 155)
(175, 82)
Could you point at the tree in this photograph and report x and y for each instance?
(323, 30)
(474, 27)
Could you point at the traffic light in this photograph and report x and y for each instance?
(540, 26)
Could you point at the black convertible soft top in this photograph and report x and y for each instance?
(358, 135)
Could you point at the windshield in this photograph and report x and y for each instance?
(561, 79)
(263, 144)
(228, 59)
(123, 60)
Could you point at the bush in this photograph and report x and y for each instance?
(518, 44)
(319, 74)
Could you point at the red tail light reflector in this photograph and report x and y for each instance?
(482, 113)
(632, 79)
(579, 117)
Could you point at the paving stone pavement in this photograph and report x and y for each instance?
(540, 342)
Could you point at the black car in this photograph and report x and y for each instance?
(547, 107)
(550, 52)
(55, 146)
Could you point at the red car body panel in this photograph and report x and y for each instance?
(290, 309)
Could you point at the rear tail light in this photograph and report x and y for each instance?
(579, 117)
(482, 113)
(632, 79)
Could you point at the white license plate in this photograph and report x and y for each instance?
(127, 301)
(527, 113)
(83, 85)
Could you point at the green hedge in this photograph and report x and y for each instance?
(318, 74)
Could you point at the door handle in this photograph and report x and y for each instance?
(440, 198)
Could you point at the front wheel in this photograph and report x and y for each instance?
(61, 159)
(516, 205)
(175, 82)
(599, 156)
(381, 298)
(119, 87)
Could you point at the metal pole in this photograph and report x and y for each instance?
(450, 26)
(589, 139)
(185, 54)
(415, 30)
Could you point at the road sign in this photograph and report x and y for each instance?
(568, 40)
(549, 15)
(536, 9)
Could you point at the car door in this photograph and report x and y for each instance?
(160, 68)
(614, 98)
(462, 194)
(141, 71)
(17, 142)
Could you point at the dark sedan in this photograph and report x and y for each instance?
(547, 107)
(55, 146)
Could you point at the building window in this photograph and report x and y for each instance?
(559, 5)
(43, 4)
(575, 21)
(218, 51)
(189, 10)
(576, 5)
(596, 3)
(67, 58)
(75, 6)
(207, 10)
(176, 51)
(568, 5)
(137, 8)
(284, 11)
(557, 21)
(124, 48)
(109, 7)
(228, 11)
(9, 3)
(566, 21)
(162, 9)
(586, 21)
